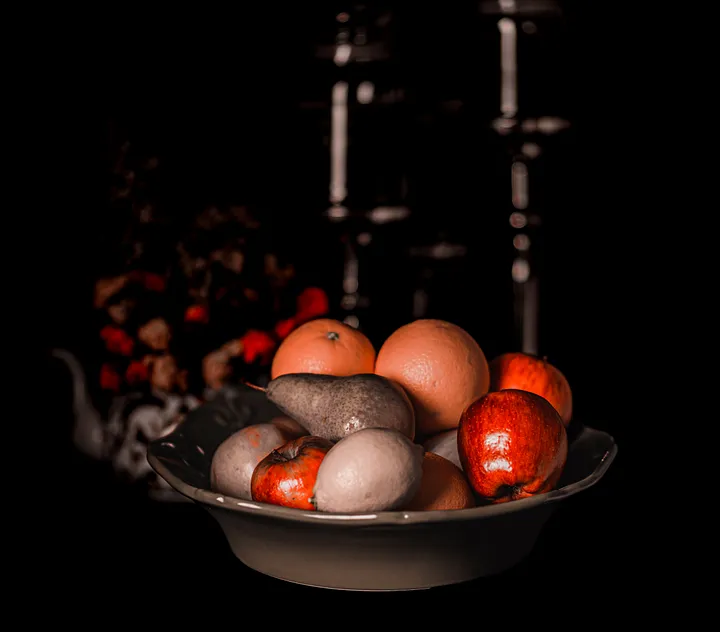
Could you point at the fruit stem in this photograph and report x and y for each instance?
(332, 335)
(253, 386)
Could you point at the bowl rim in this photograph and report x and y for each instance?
(216, 500)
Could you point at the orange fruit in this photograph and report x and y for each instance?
(324, 346)
(441, 367)
(443, 486)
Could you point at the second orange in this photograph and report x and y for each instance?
(324, 346)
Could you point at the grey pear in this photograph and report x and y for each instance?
(334, 407)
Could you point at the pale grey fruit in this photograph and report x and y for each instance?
(289, 426)
(235, 459)
(445, 444)
(374, 469)
(333, 407)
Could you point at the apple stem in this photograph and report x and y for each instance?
(280, 456)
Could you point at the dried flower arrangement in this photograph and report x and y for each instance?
(183, 308)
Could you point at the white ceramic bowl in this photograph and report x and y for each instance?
(398, 550)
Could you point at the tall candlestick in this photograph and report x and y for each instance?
(338, 143)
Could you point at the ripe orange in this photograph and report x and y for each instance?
(324, 346)
(440, 366)
(443, 486)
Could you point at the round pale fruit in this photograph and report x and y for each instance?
(375, 469)
(235, 459)
(512, 445)
(440, 366)
(289, 426)
(526, 372)
(445, 445)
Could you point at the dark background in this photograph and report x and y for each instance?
(228, 109)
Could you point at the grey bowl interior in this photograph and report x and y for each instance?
(397, 550)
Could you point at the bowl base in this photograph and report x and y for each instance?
(373, 590)
(372, 559)
(429, 586)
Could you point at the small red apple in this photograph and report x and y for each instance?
(536, 375)
(287, 475)
(512, 444)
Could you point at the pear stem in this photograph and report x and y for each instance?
(253, 386)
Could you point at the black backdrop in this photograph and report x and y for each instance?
(156, 84)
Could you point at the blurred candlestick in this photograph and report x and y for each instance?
(338, 143)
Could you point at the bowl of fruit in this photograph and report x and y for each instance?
(419, 466)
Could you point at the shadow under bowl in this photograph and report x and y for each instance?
(398, 550)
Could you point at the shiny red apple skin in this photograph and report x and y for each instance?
(512, 444)
(529, 373)
(287, 475)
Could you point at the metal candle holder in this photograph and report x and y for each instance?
(523, 137)
(351, 48)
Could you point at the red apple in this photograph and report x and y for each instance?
(529, 373)
(287, 475)
(512, 444)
